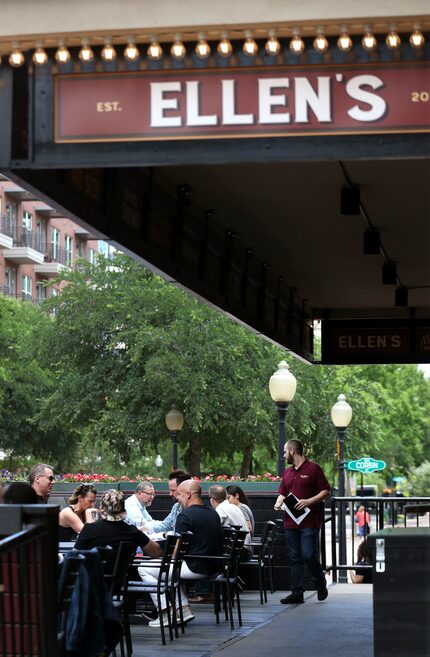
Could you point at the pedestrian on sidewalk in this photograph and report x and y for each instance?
(362, 518)
(307, 481)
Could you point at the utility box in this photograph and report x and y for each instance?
(401, 591)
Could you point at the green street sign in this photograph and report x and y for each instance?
(366, 465)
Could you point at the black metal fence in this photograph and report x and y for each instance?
(383, 512)
(28, 580)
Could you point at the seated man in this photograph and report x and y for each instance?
(207, 539)
(230, 516)
(176, 477)
(136, 505)
(41, 478)
(111, 529)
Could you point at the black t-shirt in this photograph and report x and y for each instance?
(366, 573)
(106, 532)
(207, 538)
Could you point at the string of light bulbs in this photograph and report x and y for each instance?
(203, 50)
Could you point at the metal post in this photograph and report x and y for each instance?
(343, 578)
(282, 412)
(174, 437)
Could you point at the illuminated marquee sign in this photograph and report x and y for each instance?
(395, 341)
(248, 102)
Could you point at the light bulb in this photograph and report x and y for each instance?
(108, 53)
(344, 42)
(417, 39)
(178, 50)
(272, 45)
(224, 48)
(320, 43)
(369, 42)
(62, 56)
(155, 51)
(250, 47)
(202, 49)
(16, 57)
(393, 40)
(86, 54)
(131, 52)
(39, 56)
(297, 45)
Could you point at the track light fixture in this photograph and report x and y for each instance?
(389, 273)
(272, 45)
(86, 53)
(297, 45)
(224, 48)
(371, 242)
(62, 54)
(131, 51)
(350, 200)
(250, 47)
(320, 42)
(16, 57)
(417, 39)
(155, 51)
(344, 42)
(369, 41)
(401, 296)
(40, 57)
(178, 50)
(202, 49)
(108, 53)
(393, 40)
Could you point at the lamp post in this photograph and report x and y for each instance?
(282, 388)
(341, 415)
(174, 423)
(158, 463)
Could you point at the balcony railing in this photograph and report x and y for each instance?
(6, 226)
(53, 253)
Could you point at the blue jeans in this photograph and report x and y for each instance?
(302, 545)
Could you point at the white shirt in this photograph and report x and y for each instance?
(230, 514)
(136, 513)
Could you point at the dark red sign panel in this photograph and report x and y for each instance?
(247, 102)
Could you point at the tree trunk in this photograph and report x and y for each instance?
(246, 467)
(194, 455)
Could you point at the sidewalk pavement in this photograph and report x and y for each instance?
(341, 626)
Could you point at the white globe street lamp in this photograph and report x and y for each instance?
(282, 388)
(174, 423)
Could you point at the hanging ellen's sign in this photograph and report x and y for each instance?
(248, 102)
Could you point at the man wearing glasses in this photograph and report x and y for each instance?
(42, 479)
(136, 504)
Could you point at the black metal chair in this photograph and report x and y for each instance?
(66, 585)
(181, 551)
(163, 585)
(116, 579)
(263, 561)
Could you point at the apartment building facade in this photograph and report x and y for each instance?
(36, 243)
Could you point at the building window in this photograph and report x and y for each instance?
(92, 256)
(40, 291)
(27, 220)
(27, 286)
(79, 250)
(68, 248)
(41, 234)
(10, 281)
(55, 242)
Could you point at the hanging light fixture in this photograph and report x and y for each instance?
(39, 56)
(417, 38)
(155, 51)
(178, 50)
(16, 57)
(369, 41)
(62, 54)
(320, 43)
(250, 47)
(224, 48)
(86, 53)
(108, 53)
(297, 45)
(131, 51)
(272, 45)
(393, 40)
(344, 42)
(202, 49)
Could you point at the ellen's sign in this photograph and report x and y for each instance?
(248, 102)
